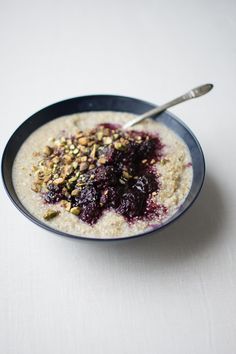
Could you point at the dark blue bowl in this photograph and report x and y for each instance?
(101, 103)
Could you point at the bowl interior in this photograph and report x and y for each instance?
(101, 103)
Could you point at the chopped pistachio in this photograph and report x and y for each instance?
(75, 151)
(75, 164)
(126, 175)
(117, 145)
(68, 206)
(73, 179)
(58, 181)
(92, 166)
(50, 213)
(49, 164)
(90, 143)
(47, 150)
(69, 169)
(83, 166)
(75, 210)
(41, 163)
(68, 158)
(102, 160)
(79, 134)
(163, 161)
(107, 140)
(34, 168)
(55, 159)
(86, 150)
(84, 158)
(39, 174)
(93, 152)
(83, 141)
(106, 131)
(72, 147)
(36, 187)
(65, 204)
(99, 135)
(75, 192)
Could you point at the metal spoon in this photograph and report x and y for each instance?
(195, 92)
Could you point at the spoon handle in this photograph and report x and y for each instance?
(195, 92)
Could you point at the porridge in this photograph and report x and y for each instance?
(84, 175)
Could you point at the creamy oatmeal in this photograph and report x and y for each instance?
(86, 177)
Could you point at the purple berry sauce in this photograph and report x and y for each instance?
(109, 189)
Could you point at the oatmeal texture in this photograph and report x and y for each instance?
(174, 173)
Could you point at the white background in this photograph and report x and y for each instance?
(173, 292)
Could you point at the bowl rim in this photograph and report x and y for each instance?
(38, 222)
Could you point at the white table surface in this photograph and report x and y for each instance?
(174, 292)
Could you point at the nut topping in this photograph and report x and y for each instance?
(98, 169)
(50, 214)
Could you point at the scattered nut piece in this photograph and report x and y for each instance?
(75, 164)
(34, 168)
(84, 158)
(50, 213)
(36, 187)
(65, 204)
(83, 166)
(58, 181)
(83, 141)
(107, 140)
(93, 152)
(99, 135)
(163, 161)
(102, 160)
(47, 150)
(68, 158)
(92, 166)
(73, 179)
(75, 210)
(117, 145)
(106, 131)
(75, 151)
(55, 159)
(126, 175)
(69, 169)
(75, 192)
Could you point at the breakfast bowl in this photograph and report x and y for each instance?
(144, 184)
